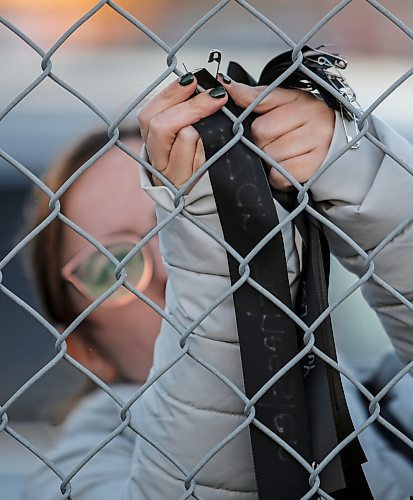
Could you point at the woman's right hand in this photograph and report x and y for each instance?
(174, 147)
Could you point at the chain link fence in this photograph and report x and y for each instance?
(112, 124)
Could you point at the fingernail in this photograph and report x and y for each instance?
(225, 78)
(218, 92)
(186, 79)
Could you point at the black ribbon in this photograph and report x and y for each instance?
(306, 406)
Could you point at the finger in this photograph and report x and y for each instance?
(172, 94)
(288, 117)
(300, 167)
(164, 126)
(298, 142)
(198, 161)
(181, 158)
(276, 123)
(243, 95)
(200, 157)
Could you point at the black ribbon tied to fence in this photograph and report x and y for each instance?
(306, 407)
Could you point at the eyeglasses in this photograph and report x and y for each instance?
(92, 273)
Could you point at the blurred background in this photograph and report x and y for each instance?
(110, 62)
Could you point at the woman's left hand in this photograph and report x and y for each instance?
(294, 128)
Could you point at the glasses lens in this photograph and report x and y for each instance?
(97, 273)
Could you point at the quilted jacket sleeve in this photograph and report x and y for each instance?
(367, 194)
(189, 409)
(106, 475)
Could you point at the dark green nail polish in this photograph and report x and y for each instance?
(186, 79)
(218, 92)
(225, 78)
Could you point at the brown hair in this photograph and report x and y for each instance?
(45, 247)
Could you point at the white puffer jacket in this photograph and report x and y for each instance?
(188, 411)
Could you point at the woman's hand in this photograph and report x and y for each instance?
(174, 147)
(294, 128)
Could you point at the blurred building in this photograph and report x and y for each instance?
(359, 27)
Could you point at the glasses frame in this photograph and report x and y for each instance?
(67, 271)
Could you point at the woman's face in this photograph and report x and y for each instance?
(106, 201)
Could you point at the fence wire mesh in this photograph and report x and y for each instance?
(189, 476)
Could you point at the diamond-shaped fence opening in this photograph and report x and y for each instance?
(369, 232)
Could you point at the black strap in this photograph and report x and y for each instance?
(306, 407)
(325, 65)
(330, 420)
(267, 336)
(329, 426)
(323, 386)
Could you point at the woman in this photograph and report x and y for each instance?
(106, 202)
(365, 193)
(115, 341)
(187, 397)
